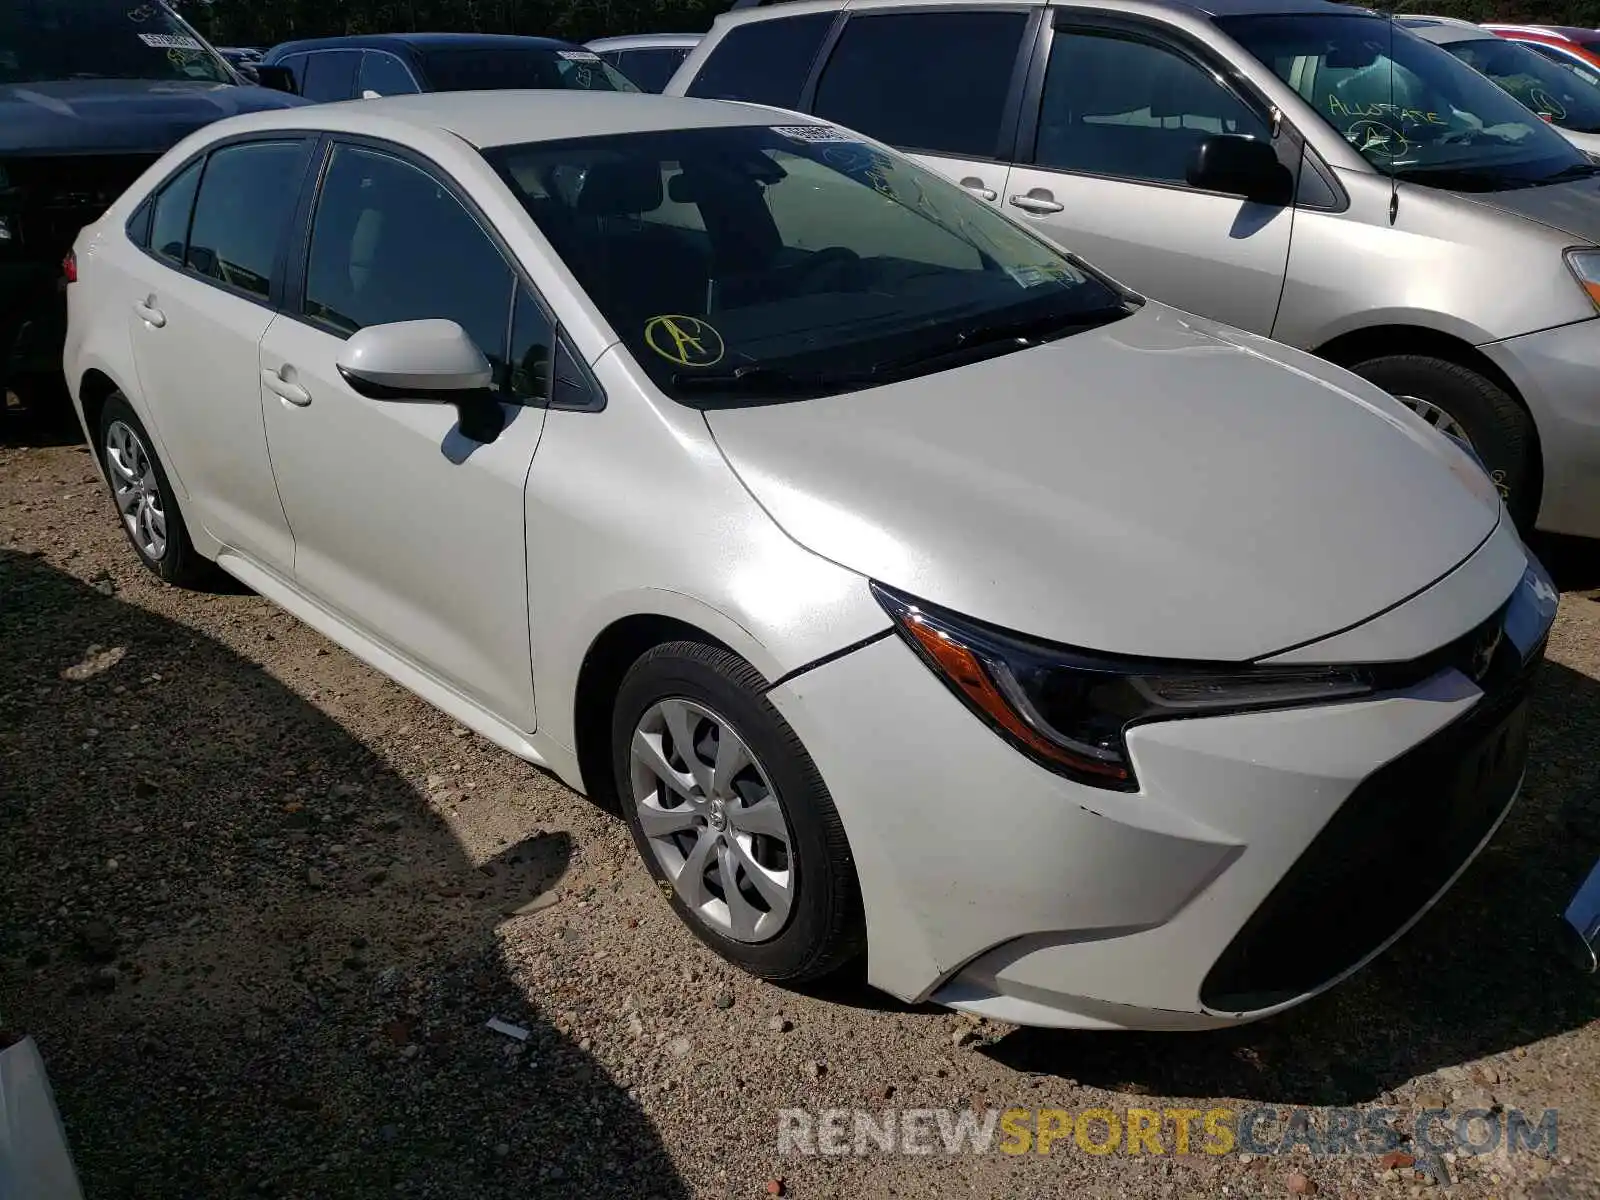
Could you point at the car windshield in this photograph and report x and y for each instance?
(1560, 94)
(760, 262)
(490, 68)
(1406, 105)
(44, 40)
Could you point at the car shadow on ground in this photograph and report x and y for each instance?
(38, 413)
(256, 962)
(1478, 975)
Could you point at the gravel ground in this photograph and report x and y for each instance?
(257, 903)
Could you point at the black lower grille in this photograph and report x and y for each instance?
(1411, 824)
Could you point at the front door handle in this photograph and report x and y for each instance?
(1038, 204)
(979, 188)
(284, 390)
(149, 313)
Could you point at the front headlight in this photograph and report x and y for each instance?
(1585, 268)
(1069, 709)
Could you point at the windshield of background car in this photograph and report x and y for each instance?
(44, 40)
(1409, 107)
(792, 259)
(1561, 94)
(491, 68)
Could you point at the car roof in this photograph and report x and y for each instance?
(1568, 32)
(418, 41)
(1207, 8)
(1444, 30)
(643, 41)
(513, 117)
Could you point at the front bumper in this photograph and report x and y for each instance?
(1229, 887)
(1557, 371)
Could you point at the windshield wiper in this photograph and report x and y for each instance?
(981, 341)
(1578, 170)
(766, 381)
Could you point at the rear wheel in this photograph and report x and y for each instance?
(1459, 401)
(146, 506)
(731, 815)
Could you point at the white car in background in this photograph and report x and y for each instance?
(908, 585)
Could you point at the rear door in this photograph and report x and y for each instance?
(945, 85)
(1103, 165)
(217, 244)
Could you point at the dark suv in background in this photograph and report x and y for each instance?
(398, 64)
(91, 93)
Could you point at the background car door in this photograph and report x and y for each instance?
(943, 85)
(330, 75)
(1119, 119)
(218, 234)
(405, 527)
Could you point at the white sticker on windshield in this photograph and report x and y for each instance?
(579, 55)
(812, 133)
(1030, 276)
(169, 41)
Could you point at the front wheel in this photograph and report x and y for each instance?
(731, 815)
(1472, 408)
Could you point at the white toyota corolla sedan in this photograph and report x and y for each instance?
(908, 585)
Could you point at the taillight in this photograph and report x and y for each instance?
(69, 266)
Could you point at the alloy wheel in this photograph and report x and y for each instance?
(137, 490)
(712, 820)
(1437, 417)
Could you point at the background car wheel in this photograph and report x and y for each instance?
(1458, 400)
(731, 815)
(145, 503)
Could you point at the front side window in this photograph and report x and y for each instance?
(933, 81)
(389, 242)
(382, 74)
(764, 62)
(1131, 109)
(1558, 94)
(792, 260)
(330, 75)
(44, 40)
(1405, 104)
(241, 217)
(492, 68)
(169, 224)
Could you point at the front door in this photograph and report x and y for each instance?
(407, 528)
(1120, 118)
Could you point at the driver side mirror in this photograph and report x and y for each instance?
(279, 79)
(1241, 166)
(425, 362)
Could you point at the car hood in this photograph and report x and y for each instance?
(111, 116)
(1159, 486)
(1570, 207)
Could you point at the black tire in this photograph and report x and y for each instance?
(180, 563)
(1500, 429)
(825, 927)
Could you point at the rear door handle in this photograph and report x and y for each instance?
(280, 387)
(979, 188)
(149, 313)
(1038, 205)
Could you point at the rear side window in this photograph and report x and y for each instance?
(766, 62)
(933, 81)
(242, 215)
(169, 227)
(653, 69)
(330, 75)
